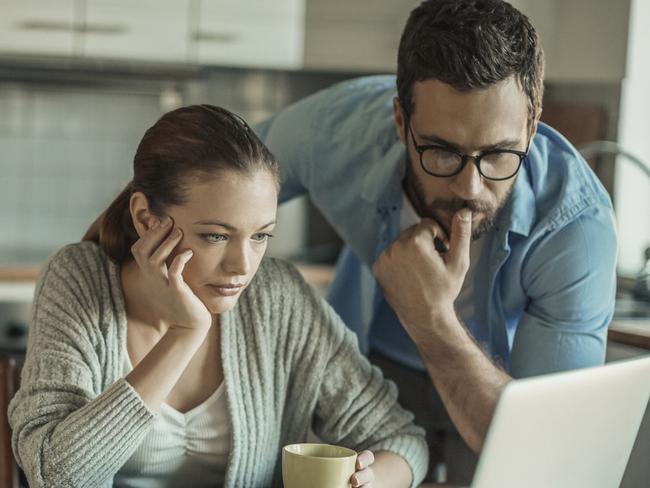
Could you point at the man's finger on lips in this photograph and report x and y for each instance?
(461, 237)
(178, 265)
(362, 477)
(165, 248)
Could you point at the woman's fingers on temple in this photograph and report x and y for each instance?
(152, 238)
(178, 265)
(165, 248)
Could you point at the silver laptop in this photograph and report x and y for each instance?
(566, 430)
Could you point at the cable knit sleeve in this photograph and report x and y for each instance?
(356, 406)
(68, 429)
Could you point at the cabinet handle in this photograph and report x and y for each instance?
(110, 29)
(215, 37)
(47, 25)
(81, 28)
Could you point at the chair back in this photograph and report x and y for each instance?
(8, 386)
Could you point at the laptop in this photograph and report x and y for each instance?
(566, 430)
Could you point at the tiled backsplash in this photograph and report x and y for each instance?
(66, 148)
(65, 152)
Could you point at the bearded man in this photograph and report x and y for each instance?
(480, 247)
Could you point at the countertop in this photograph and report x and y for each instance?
(631, 332)
(17, 284)
(18, 273)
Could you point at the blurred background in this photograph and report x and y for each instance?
(81, 80)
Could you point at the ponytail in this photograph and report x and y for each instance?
(113, 230)
(186, 142)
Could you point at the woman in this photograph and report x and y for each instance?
(164, 351)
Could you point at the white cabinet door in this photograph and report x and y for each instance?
(355, 35)
(45, 27)
(265, 33)
(147, 30)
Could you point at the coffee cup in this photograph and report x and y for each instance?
(317, 466)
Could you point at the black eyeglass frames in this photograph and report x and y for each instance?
(444, 162)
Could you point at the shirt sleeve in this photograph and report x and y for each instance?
(66, 431)
(289, 136)
(356, 406)
(570, 279)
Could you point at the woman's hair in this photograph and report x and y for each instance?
(470, 44)
(190, 142)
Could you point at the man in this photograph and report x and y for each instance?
(480, 246)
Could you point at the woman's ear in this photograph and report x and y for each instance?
(141, 216)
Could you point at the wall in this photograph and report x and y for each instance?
(66, 152)
(67, 141)
(584, 40)
(632, 187)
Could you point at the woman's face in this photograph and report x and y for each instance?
(226, 221)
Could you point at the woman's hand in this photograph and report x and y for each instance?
(177, 303)
(364, 476)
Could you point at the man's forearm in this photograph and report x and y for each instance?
(421, 285)
(468, 382)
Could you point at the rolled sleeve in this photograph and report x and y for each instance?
(571, 281)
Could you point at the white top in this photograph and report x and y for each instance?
(181, 449)
(464, 304)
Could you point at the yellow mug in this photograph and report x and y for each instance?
(317, 466)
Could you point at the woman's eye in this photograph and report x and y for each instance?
(213, 237)
(261, 237)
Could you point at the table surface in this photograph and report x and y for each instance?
(438, 485)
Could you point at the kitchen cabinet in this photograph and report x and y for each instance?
(362, 35)
(264, 33)
(584, 40)
(259, 33)
(38, 27)
(146, 30)
(15, 310)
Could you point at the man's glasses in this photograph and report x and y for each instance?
(442, 161)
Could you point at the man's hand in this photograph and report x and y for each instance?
(421, 285)
(419, 282)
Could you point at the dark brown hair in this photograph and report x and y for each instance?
(470, 44)
(185, 143)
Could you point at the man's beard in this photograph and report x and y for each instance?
(415, 191)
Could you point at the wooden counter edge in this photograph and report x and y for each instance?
(19, 273)
(321, 275)
(629, 336)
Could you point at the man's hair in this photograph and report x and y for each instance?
(470, 44)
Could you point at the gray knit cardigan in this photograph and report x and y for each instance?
(289, 364)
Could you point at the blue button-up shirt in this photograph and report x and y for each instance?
(544, 284)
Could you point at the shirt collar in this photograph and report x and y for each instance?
(519, 212)
(408, 216)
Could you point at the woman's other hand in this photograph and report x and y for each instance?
(175, 300)
(364, 476)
